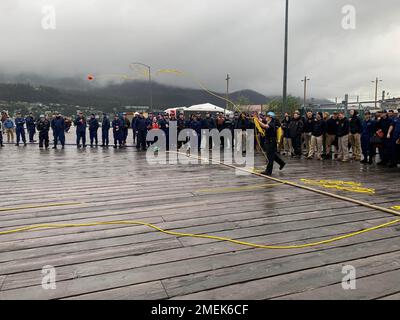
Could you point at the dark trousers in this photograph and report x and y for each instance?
(43, 137)
(59, 135)
(81, 135)
(117, 137)
(272, 155)
(368, 150)
(124, 134)
(391, 151)
(31, 133)
(1, 138)
(134, 136)
(105, 139)
(398, 153)
(20, 131)
(93, 137)
(141, 140)
(296, 143)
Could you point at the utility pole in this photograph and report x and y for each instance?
(346, 104)
(383, 97)
(377, 80)
(227, 92)
(284, 96)
(305, 90)
(151, 89)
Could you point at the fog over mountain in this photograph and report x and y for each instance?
(206, 39)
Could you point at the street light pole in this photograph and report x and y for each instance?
(227, 92)
(150, 82)
(377, 80)
(305, 90)
(284, 96)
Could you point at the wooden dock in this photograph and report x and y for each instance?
(136, 262)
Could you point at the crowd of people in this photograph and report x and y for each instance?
(313, 136)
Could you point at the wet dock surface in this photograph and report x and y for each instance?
(136, 262)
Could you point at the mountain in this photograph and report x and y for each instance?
(115, 96)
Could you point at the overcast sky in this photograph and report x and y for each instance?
(208, 39)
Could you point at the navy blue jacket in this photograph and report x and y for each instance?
(19, 122)
(208, 123)
(117, 124)
(43, 125)
(355, 125)
(80, 124)
(332, 126)
(343, 127)
(58, 124)
(368, 128)
(196, 126)
(105, 125)
(309, 125)
(30, 123)
(319, 128)
(93, 124)
(141, 124)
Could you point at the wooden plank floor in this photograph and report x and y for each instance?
(135, 262)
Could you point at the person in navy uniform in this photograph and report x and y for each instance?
(386, 126)
(396, 136)
(270, 143)
(368, 129)
(105, 129)
(126, 124)
(19, 129)
(93, 127)
(58, 127)
(196, 125)
(181, 125)
(43, 126)
(117, 131)
(142, 125)
(208, 123)
(30, 127)
(1, 133)
(164, 126)
(80, 124)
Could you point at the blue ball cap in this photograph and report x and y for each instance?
(271, 114)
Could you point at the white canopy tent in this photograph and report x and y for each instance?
(208, 107)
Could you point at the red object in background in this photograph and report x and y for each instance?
(90, 77)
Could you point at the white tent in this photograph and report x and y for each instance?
(207, 107)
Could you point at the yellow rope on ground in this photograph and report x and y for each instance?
(339, 185)
(203, 236)
(244, 243)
